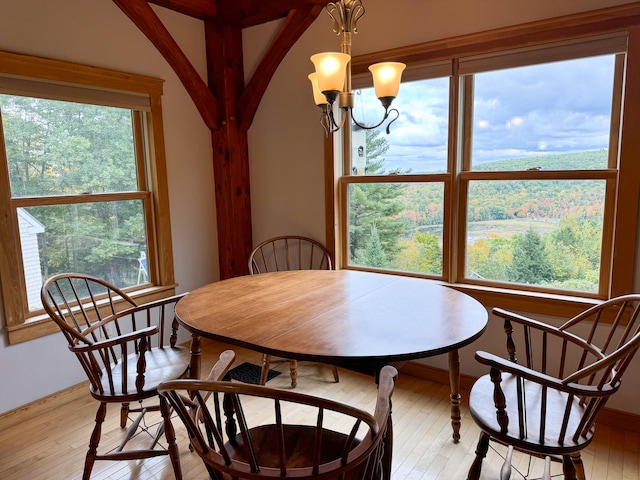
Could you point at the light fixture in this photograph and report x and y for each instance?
(332, 78)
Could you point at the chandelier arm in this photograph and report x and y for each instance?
(393, 120)
(371, 127)
(328, 120)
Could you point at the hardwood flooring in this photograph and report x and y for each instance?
(53, 445)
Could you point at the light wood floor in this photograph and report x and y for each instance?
(53, 445)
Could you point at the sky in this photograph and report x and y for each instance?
(546, 109)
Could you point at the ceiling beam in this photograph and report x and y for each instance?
(248, 13)
(238, 13)
(290, 31)
(202, 9)
(148, 22)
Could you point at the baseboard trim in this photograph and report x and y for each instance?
(610, 417)
(613, 418)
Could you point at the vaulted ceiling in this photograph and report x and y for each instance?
(227, 105)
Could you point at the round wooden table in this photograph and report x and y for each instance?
(352, 319)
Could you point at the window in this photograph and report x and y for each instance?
(81, 178)
(501, 175)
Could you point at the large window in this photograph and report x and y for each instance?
(80, 186)
(501, 173)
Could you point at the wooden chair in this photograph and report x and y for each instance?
(126, 350)
(284, 433)
(543, 399)
(289, 252)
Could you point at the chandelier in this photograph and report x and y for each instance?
(332, 78)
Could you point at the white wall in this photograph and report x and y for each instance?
(285, 141)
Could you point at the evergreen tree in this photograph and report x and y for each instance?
(373, 254)
(530, 263)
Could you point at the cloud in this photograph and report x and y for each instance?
(557, 107)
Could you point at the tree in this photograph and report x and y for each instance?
(373, 254)
(530, 263)
(422, 253)
(375, 204)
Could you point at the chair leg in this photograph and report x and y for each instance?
(293, 370)
(94, 441)
(568, 468)
(578, 465)
(170, 435)
(266, 359)
(481, 452)
(124, 413)
(334, 369)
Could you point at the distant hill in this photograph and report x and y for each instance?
(593, 160)
(517, 199)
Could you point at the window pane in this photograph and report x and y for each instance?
(546, 233)
(418, 140)
(58, 148)
(396, 226)
(107, 240)
(550, 116)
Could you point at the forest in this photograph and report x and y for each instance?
(57, 150)
(545, 232)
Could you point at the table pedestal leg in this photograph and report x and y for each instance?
(454, 384)
(196, 352)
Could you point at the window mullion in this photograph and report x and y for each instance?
(456, 199)
(14, 292)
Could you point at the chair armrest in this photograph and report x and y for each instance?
(119, 340)
(529, 322)
(505, 365)
(147, 306)
(545, 327)
(160, 302)
(222, 366)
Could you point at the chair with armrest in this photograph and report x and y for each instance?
(273, 433)
(284, 253)
(544, 398)
(126, 351)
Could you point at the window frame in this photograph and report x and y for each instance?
(60, 80)
(574, 28)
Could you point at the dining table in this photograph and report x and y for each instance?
(352, 319)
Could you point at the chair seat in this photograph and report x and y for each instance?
(162, 364)
(483, 411)
(299, 445)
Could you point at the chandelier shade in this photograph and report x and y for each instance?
(331, 70)
(386, 78)
(318, 96)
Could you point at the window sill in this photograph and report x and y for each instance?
(552, 304)
(541, 303)
(40, 325)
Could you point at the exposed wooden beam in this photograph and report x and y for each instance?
(148, 22)
(227, 107)
(230, 150)
(290, 31)
(247, 13)
(201, 9)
